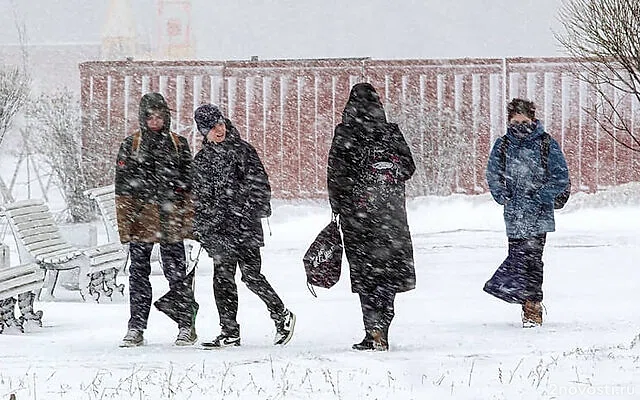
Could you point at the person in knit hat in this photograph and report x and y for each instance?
(153, 205)
(231, 194)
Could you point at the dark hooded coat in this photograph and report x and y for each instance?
(369, 162)
(153, 181)
(231, 194)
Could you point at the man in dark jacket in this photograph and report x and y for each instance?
(369, 162)
(231, 195)
(153, 205)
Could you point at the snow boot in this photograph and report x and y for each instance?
(375, 339)
(380, 342)
(366, 344)
(531, 314)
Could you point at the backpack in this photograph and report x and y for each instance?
(137, 138)
(323, 259)
(562, 198)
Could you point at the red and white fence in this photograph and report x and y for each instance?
(288, 109)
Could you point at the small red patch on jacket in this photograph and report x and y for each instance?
(121, 163)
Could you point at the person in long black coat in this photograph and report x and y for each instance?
(231, 194)
(369, 163)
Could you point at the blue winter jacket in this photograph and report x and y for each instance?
(525, 189)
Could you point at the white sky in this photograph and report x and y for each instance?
(317, 28)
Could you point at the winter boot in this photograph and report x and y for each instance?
(284, 328)
(379, 339)
(366, 344)
(186, 336)
(133, 338)
(375, 339)
(531, 314)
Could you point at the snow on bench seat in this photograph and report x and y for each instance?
(21, 282)
(39, 241)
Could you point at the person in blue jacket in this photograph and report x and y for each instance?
(527, 186)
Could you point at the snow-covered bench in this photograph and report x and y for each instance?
(19, 284)
(105, 198)
(39, 241)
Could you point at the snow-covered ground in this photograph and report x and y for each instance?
(449, 339)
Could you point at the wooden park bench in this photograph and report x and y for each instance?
(18, 285)
(39, 241)
(105, 199)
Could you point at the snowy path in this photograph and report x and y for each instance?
(449, 339)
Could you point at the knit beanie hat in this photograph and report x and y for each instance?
(207, 116)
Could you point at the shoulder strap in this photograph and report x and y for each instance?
(135, 145)
(137, 137)
(503, 158)
(176, 140)
(544, 151)
(503, 152)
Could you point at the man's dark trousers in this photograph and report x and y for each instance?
(225, 290)
(179, 303)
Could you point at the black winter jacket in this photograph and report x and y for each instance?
(231, 193)
(153, 181)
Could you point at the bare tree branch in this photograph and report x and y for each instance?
(14, 91)
(604, 38)
(15, 85)
(54, 131)
(439, 142)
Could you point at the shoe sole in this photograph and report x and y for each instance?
(130, 345)
(530, 324)
(185, 343)
(290, 335)
(362, 348)
(214, 346)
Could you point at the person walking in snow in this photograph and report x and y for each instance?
(231, 194)
(526, 181)
(153, 204)
(369, 163)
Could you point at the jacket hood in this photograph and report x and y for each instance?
(364, 106)
(153, 102)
